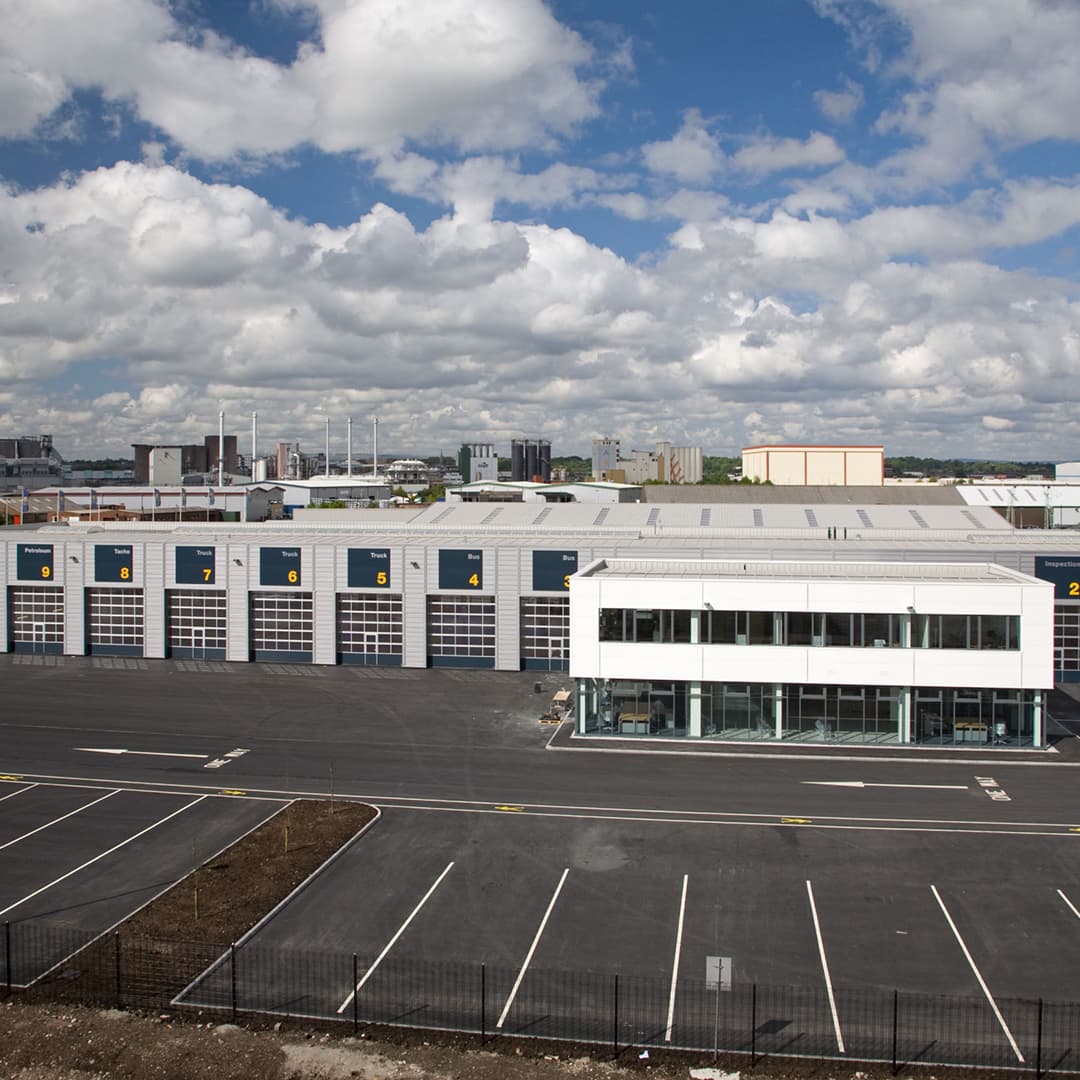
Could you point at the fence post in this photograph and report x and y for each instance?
(615, 1020)
(116, 965)
(753, 1024)
(355, 995)
(232, 978)
(895, 1018)
(7, 955)
(1038, 1043)
(483, 1004)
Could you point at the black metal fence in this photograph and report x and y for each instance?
(41, 962)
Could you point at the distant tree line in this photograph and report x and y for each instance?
(101, 464)
(962, 468)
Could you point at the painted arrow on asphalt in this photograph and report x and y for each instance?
(141, 753)
(863, 783)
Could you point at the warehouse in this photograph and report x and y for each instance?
(474, 585)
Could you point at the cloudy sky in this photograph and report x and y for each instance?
(719, 223)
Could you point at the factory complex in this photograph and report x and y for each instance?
(781, 617)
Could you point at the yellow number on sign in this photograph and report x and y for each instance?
(125, 573)
(293, 577)
(380, 578)
(1074, 588)
(207, 573)
(46, 571)
(475, 581)
(566, 581)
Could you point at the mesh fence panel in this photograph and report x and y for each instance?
(41, 962)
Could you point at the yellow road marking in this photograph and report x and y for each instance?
(8, 777)
(796, 821)
(232, 791)
(511, 809)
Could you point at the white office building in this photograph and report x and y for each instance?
(866, 652)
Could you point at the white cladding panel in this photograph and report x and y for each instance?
(786, 467)
(866, 467)
(1037, 636)
(640, 660)
(975, 598)
(649, 593)
(237, 557)
(76, 574)
(859, 667)
(825, 467)
(755, 595)
(967, 667)
(324, 604)
(507, 564)
(584, 626)
(154, 600)
(871, 596)
(414, 607)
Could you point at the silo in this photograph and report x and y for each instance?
(545, 461)
(517, 460)
(532, 460)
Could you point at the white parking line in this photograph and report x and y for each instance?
(64, 817)
(978, 975)
(393, 941)
(532, 949)
(825, 970)
(1072, 906)
(12, 794)
(675, 965)
(90, 862)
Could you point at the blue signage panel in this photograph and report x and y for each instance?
(552, 570)
(279, 566)
(461, 568)
(195, 565)
(1063, 571)
(369, 568)
(34, 562)
(113, 562)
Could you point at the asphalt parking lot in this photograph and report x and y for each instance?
(823, 877)
(78, 859)
(791, 908)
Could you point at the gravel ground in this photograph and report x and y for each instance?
(64, 1043)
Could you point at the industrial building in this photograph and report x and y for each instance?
(846, 466)
(29, 462)
(159, 463)
(530, 459)
(666, 464)
(965, 607)
(478, 461)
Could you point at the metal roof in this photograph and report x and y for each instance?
(810, 495)
(700, 569)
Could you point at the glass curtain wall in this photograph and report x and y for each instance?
(737, 711)
(964, 717)
(862, 714)
(627, 707)
(810, 713)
